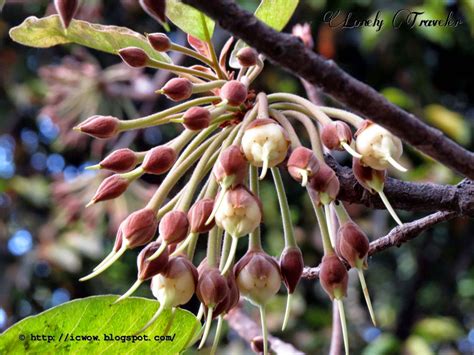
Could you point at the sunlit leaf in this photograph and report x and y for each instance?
(188, 19)
(276, 13)
(450, 122)
(48, 32)
(98, 316)
(398, 97)
(439, 329)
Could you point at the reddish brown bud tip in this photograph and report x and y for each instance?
(159, 41)
(234, 92)
(333, 276)
(100, 126)
(231, 167)
(110, 188)
(155, 8)
(139, 228)
(147, 269)
(199, 214)
(159, 160)
(179, 265)
(134, 57)
(196, 118)
(257, 344)
(178, 89)
(325, 183)
(335, 133)
(232, 298)
(174, 227)
(212, 287)
(258, 276)
(66, 10)
(120, 161)
(118, 239)
(302, 162)
(352, 244)
(247, 57)
(371, 179)
(291, 266)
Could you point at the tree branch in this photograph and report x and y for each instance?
(290, 53)
(396, 237)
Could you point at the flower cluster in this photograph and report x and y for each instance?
(229, 133)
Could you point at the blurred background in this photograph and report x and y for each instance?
(423, 292)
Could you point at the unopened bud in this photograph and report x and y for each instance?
(265, 144)
(139, 228)
(178, 89)
(239, 213)
(99, 126)
(258, 277)
(234, 92)
(159, 160)
(231, 167)
(335, 133)
(196, 118)
(134, 57)
(333, 276)
(291, 266)
(199, 214)
(379, 147)
(211, 287)
(257, 344)
(66, 10)
(147, 269)
(302, 165)
(371, 179)
(247, 57)
(174, 227)
(232, 298)
(110, 188)
(159, 41)
(155, 8)
(352, 244)
(176, 285)
(120, 161)
(324, 185)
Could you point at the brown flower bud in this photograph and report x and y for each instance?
(291, 266)
(155, 8)
(324, 185)
(159, 41)
(196, 118)
(302, 164)
(258, 277)
(211, 287)
(174, 227)
(139, 228)
(257, 344)
(247, 57)
(66, 10)
(118, 240)
(159, 160)
(333, 276)
(178, 89)
(335, 133)
(352, 244)
(147, 269)
(134, 57)
(99, 126)
(234, 92)
(120, 161)
(371, 179)
(176, 284)
(198, 215)
(110, 188)
(231, 167)
(232, 298)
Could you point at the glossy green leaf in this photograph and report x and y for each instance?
(48, 32)
(188, 19)
(72, 327)
(276, 13)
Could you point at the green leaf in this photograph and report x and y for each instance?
(97, 316)
(48, 32)
(276, 13)
(438, 329)
(188, 19)
(450, 122)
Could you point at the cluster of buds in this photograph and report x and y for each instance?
(229, 131)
